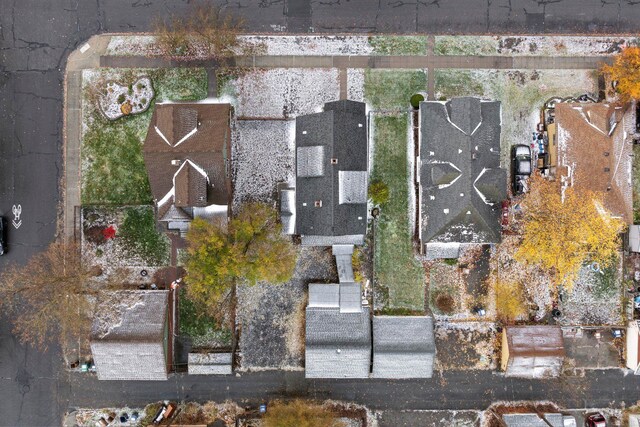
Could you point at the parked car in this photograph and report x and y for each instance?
(3, 236)
(521, 167)
(595, 420)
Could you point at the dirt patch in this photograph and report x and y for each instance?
(467, 345)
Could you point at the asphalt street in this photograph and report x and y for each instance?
(36, 36)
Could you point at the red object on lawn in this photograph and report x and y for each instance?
(504, 221)
(109, 232)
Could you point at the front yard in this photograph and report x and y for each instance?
(113, 171)
(521, 92)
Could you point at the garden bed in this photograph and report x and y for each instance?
(113, 170)
(120, 238)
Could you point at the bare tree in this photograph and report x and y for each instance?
(207, 32)
(51, 296)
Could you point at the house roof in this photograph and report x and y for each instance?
(460, 176)
(128, 336)
(532, 420)
(331, 174)
(403, 347)
(593, 153)
(187, 154)
(338, 345)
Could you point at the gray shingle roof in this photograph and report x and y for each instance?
(532, 420)
(332, 167)
(128, 339)
(403, 347)
(344, 255)
(461, 179)
(324, 295)
(338, 345)
(210, 364)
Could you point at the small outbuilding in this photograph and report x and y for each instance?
(532, 351)
(338, 332)
(403, 347)
(130, 336)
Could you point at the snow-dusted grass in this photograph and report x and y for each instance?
(113, 170)
(146, 248)
(396, 269)
(595, 299)
(531, 45)
(355, 84)
(398, 45)
(307, 45)
(392, 89)
(522, 93)
(283, 92)
(263, 156)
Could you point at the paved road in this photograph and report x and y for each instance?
(35, 38)
(459, 390)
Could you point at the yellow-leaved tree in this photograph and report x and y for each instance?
(561, 233)
(510, 301)
(250, 247)
(626, 71)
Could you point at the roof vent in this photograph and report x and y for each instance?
(607, 169)
(334, 161)
(304, 132)
(606, 154)
(175, 162)
(446, 210)
(474, 156)
(359, 125)
(608, 188)
(317, 203)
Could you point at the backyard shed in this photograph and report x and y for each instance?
(130, 336)
(633, 343)
(338, 332)
(532, 351)
(403, 347)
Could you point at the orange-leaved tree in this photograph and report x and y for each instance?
(249, 247)
(563, 230)
(626, 71)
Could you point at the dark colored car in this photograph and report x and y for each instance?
(521, 170)
(595, 420)
(3, 236)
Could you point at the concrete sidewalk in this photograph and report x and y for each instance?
(92, 55)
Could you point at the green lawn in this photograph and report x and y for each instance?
(398, 45)
(113, 169)
(202, 328)
(396, 268)
(392, 90)
(636, 184)
(141, 238)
